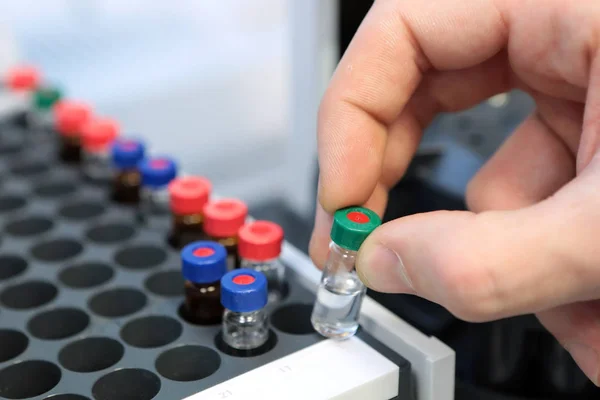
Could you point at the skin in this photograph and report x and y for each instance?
(531, 240)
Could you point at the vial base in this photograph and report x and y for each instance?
(70, 153)
(126, 187)
(245, 331)
(337, 308)
(126, 194)
(202, 304)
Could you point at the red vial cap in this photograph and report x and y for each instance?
(70, 117)
(260, 240)
(223, 218)
(24, 77)
(189, 194)
(98, 133)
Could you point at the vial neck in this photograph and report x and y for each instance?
(228, 242)
(249, 262)
(243, 316)
(187, 220)
(337, 252)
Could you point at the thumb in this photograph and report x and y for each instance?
(493, 264)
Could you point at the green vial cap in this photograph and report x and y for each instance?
(46, 97)
(352, 225)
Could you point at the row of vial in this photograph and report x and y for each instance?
(207, 231)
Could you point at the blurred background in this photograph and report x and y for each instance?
(232, 87)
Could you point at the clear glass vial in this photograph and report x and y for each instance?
(97, 137)
(203, 265)
(126, 154)
(244, 295)
(259, 248)
(70, 117)
(222, 220)
(188, 196)
(339, 296)
(156, 175)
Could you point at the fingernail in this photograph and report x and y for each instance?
(586, 358)
(382, 269)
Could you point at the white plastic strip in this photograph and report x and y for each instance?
(347, 370)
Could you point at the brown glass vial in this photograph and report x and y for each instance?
(203, 265)
(222, 220)
(126, 155)
(70, 118)
(187, 197)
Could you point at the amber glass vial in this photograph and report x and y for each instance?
(222, 220)
(126, 155)
(203, 264)
(187, 197)
(70, 118)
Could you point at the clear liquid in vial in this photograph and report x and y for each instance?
(336, 311)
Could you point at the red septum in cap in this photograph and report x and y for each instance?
(24, 77)
(189, 194)
(260, 240)
(223, 218)
(71, 116)
(98, 133)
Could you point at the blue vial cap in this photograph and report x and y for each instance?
(244, 290)
(157, 172)
(203, 262)
(127, 153)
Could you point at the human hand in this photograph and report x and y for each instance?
(532, 241)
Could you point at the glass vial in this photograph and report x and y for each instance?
(126, 154)
(244, 295)
(97, 137)
(259, 247)
(188, 195)
(40, 118)
(70, 117)
(156, 174)
(339, 296)
(222, 220)
(203, 265)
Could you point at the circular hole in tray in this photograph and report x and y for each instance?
(110, 233)
(265, 348)
(91, 354)
(11, 203)
(30, 294)
(29, 226)
(86, 275)
(152, 331)
(10, 147)
(140, 257)
(117, 302)
(127, 384)
(55, 189)
(57, 324)
(293, 319)
(30, 169)
(188, 363)
(56, 250)
(67, 397)
(28, 379)
(11, 266)
(166, 283)
(12, 343)
(81, 210)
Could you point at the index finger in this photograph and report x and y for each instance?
(395, 46)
